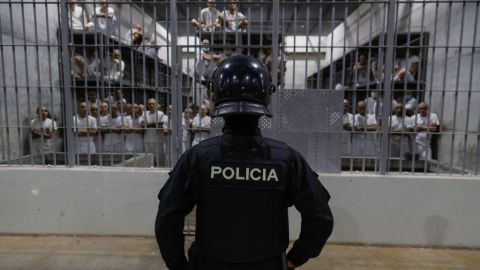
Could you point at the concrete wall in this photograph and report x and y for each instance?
(368, 209)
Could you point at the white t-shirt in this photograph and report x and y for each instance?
(103, 121)
(152, 134)
(75, 18)
(105, 23)
(204, 123)
(39, 125)
(234, 19)
(364, 121)
(111, 100)
(115, 70)
(421, 137)
(137, 122)
(400, 122)
(82, 124)
(209, 18)
(348, 118)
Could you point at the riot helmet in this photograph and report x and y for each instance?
(241, 85)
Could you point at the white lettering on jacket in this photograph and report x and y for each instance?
(244, 174)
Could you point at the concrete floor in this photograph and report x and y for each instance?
(122, 253)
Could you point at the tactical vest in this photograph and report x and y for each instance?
(242, 208)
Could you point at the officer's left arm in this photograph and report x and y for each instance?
(311, 200)
(176, 201)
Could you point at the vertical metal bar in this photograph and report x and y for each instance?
(444, 83)
(67, 82)
(294, 43)
(470, 86)
(433, 66)
(344, 62)
(37, 64)
(275, 33)
(381, 62)
(472, 67)
(455, 105)
(408, 45)
(7, 128)
(369, 73)
(175, 92)
(320, 17)
(352, 88)
(388, 86)
(27, 85)
(275, 51)
(422, 55)
(248, 31)
(344, 46)
(332, 44)
(14, 67)
(307, 33)
(356, 84)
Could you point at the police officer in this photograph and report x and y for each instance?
(242, 184)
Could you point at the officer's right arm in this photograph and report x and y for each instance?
(176, 201)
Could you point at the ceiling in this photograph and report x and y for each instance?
(299, 17)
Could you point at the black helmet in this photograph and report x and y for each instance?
(241, 85)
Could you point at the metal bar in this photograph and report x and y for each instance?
(281, 20)
(275, 51)
(50, 87)
(470, 85)
(433, 65)
(307, 35)
(472, 67)
(67, 81)
(248, 30)
(37, 65)
(7, 129)
(332, 29)
(402, 151)
(388, 86)
(319, 36)
(445, 73)
(455, 105)
(422, 56)
(175, 92)
(19, 129)
(294, 44)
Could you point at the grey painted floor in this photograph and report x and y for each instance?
(122, 253)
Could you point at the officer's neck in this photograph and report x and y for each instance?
(241, 125)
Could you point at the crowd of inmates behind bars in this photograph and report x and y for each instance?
(111, 68)
(411, 123)
(115, 126)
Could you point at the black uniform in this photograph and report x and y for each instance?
(242, 184)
